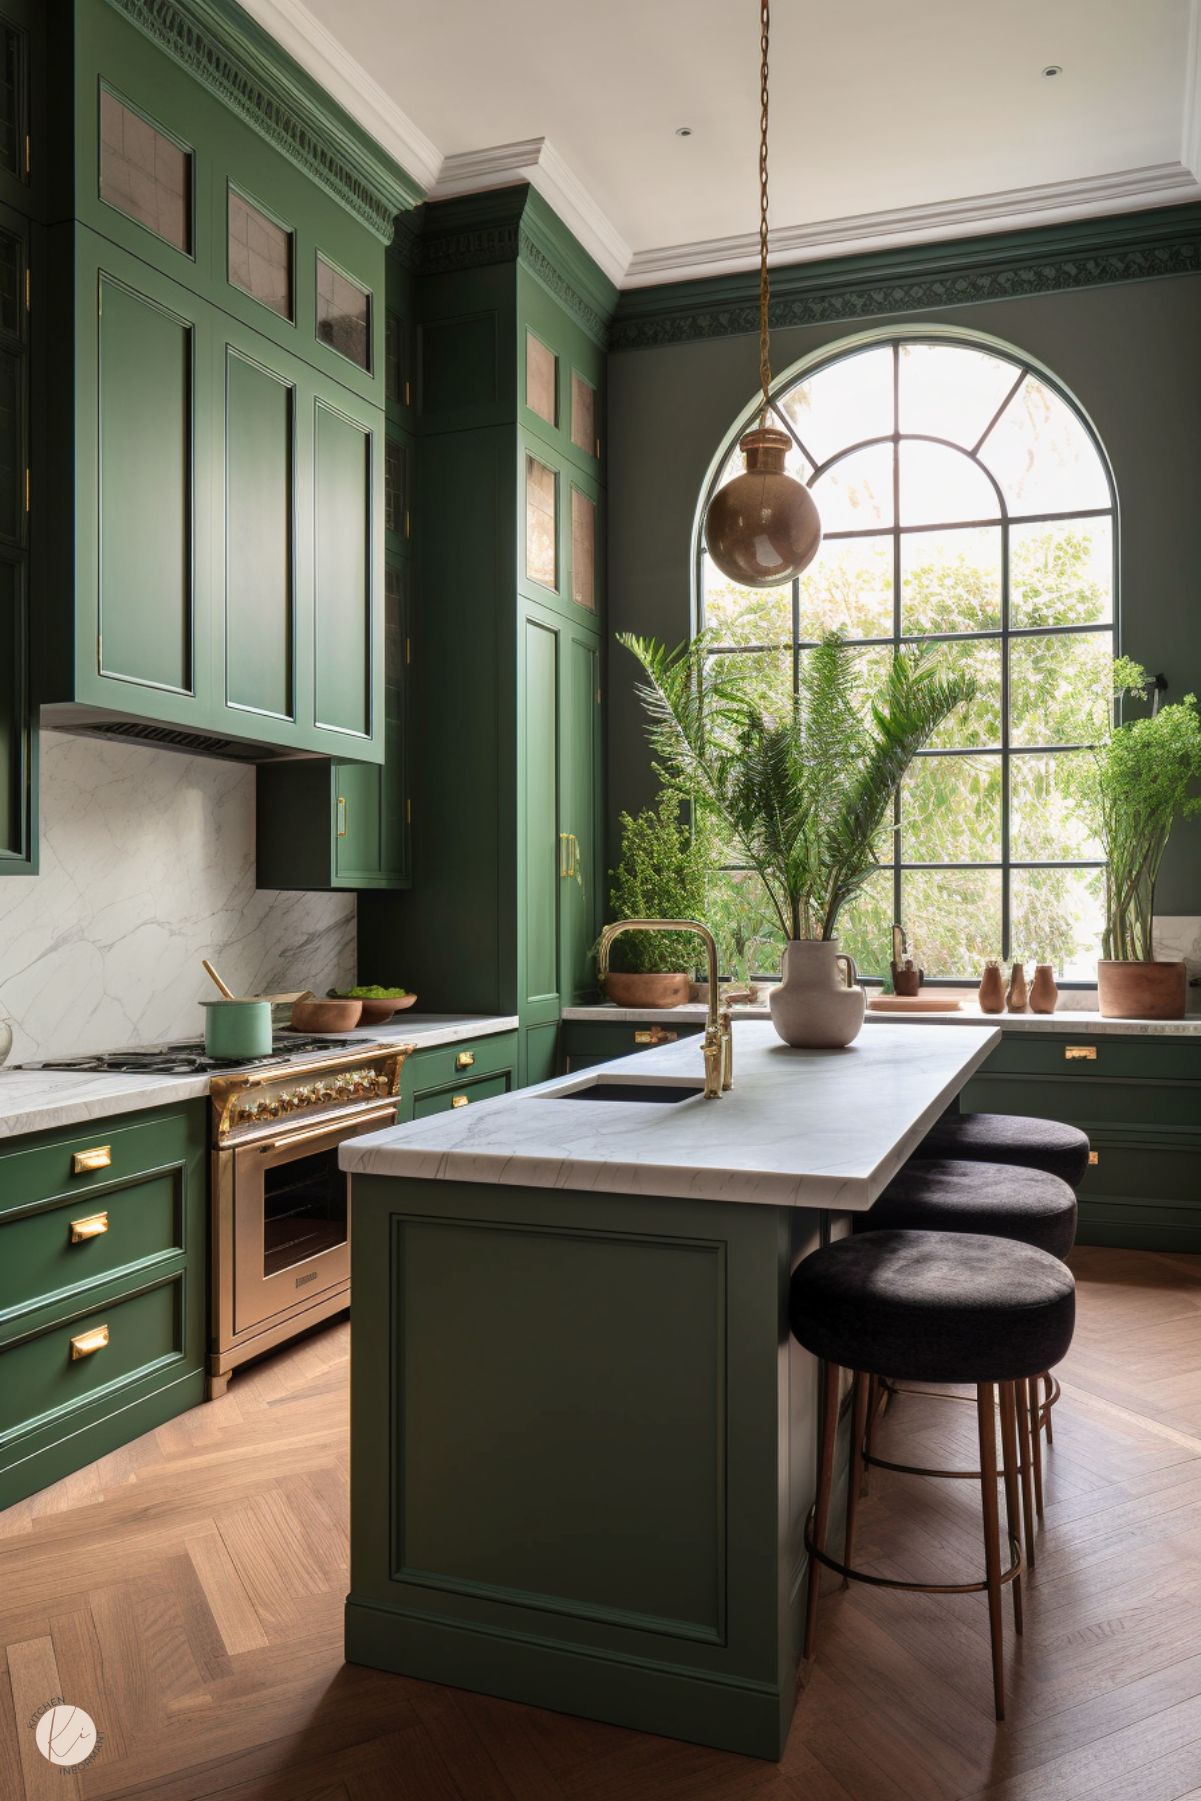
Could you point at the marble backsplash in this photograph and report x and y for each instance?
(147, 865)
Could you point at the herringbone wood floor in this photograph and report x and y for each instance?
(187, 1591)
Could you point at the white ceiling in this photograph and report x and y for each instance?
(890, 122)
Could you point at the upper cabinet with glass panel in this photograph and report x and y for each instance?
(343, 314)
(260, 256)
(144, 173)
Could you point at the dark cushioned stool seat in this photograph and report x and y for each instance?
(998, 1199)
(934, 1306)
(1010, 1138)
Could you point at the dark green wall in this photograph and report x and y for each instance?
(1131, 353)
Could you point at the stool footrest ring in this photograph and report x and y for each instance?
(915, 1588)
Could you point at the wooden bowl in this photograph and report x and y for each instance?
(376, 1012)
(326, 1016)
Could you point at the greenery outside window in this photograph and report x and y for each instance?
(965, 503)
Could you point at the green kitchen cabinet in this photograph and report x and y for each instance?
(323, 824)
(584, 1043)
(18, 728)
(1139, 1099)
(449, 1075)
(103, 1265)
(23, 173)
(506, 704)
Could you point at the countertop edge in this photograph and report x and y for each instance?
(1068, 1021)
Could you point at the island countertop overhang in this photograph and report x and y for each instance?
(800, 1128)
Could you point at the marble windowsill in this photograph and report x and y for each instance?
(798, 1129)
(42, 1100)
(1080, 1021)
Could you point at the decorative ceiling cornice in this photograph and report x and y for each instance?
(536, 162)
(511, 225)
(919, 278)
(242, 64)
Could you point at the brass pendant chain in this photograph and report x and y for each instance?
(764, 284)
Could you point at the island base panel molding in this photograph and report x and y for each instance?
(582, 1452)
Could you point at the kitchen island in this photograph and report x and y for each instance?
(582, 1436)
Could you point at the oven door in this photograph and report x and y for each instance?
(291, 1216)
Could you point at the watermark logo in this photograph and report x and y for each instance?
(66, 1736)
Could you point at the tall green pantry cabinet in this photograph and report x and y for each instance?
(22, 185)
(507, 641)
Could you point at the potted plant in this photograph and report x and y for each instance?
(661, 874)
(804, 794)
(1143, 776)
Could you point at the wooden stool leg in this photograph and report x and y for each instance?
(859, 1404)
(1024, 1427)
(1013, 1510)
(873, 1408)
(1050, 1410)
(986, 1413)
(828, 1436)
(1036, 1444)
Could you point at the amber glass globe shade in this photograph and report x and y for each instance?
(763, 528)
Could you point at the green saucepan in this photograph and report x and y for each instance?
(237, 1030)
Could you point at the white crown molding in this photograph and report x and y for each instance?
(1190, 145)
(320, 54)
(538, 162)
(1160, 184)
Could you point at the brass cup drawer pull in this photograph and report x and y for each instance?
(460, 1100)
(1080, 1053)
(99, 1157)
(88, 1343)
(1094, 1157)
(656, 1035)
(91, 1227)
(465, 1060)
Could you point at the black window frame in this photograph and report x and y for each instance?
(1024, 367)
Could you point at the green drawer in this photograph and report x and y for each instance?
(463, 1062)
(585, 1043)
(1103, 1101)
(63, 1247)
(45, 1165)
(40, 1381)
(483, 1089)
(1148, 1174)
(1088, 1057)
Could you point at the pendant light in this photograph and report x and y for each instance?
(763, 528)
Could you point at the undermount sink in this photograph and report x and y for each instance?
(662, 1094)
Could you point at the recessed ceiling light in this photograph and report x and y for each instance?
(1053, 69)
(683, 131)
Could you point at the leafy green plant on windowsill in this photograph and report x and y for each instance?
(661, 874)
(803, 793)
(1142, 777)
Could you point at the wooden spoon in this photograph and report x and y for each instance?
(212, 974)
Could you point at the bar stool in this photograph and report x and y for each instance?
(931, 1307)
(1000, 1201)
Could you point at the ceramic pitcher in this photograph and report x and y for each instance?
(819, 1004)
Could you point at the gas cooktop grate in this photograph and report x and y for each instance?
(188, 1058)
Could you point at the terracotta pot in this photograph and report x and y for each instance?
(1044, 990)
(1015, 994)
(992, 988)
(1132, 990)
(819, 1005)
(656, 990)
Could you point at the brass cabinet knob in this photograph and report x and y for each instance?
(460, 1100)
(88, 1343)
(92, 1227)
(465, 1060)
(84, 1162)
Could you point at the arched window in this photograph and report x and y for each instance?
(965, 502)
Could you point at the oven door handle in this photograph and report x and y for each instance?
(333, 1125)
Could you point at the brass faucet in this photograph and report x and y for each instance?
(718, 1043)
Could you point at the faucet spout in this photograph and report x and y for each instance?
(718, 1043)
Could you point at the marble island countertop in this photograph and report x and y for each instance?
(42, 1100)
(1084, 1021)
(799, 1128)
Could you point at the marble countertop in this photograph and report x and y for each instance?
(1082, 1021)
(798, 1129)
(41, 1100)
